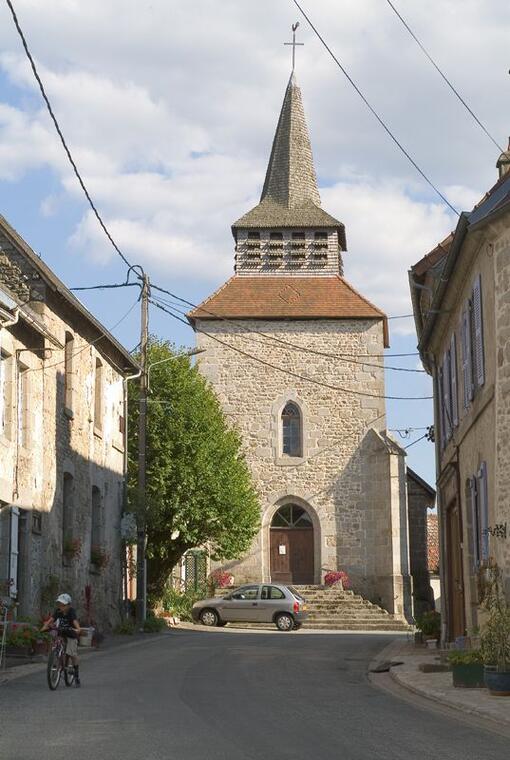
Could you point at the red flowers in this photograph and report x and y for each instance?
(221, 579)
(335, 576)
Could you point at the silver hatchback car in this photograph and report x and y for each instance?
(254, 603)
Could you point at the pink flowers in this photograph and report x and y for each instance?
(335, 576)
(221, 579)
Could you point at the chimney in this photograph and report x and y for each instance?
(503, 163)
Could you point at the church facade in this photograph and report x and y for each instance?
(295, 355)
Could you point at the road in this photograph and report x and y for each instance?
(231, 696)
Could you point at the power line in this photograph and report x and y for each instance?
(62, 138)
(295, 346)
(374, 112)
(416, 441)
(334, 356)
(106, 287)
(288, 371)
(444, 77)
(87, 345)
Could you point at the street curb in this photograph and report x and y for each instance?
(447, 702)
(21, 671)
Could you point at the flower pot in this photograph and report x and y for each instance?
(86, 635)
(468, 675)
(431, 643)
(497, 683)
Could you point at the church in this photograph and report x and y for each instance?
(295, 355)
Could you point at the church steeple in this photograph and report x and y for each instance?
(290, 177)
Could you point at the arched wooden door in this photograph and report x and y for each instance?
(292, 546)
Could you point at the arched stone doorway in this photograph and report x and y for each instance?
(292, 545)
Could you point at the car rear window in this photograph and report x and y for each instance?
(295, 593)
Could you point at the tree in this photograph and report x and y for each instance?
(199, 489)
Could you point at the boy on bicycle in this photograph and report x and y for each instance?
(66, 621)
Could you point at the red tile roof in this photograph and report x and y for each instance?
(288, 298)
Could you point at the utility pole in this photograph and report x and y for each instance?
(141, 565)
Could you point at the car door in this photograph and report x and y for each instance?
(273, 600)
(242, 606)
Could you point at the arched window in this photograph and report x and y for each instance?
(291, 430)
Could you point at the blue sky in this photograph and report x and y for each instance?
(170, 110)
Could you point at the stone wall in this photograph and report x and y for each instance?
(328, 480)
(420, 501)
(61, 440)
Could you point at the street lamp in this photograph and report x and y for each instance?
(191, 352)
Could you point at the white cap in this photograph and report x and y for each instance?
(64, 599)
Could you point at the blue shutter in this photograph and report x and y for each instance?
(447, 396)
(478, 348)
(467, 375)
(475, 522)
(442, 436)
(454, 401)
(483, 511)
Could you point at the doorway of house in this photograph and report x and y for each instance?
(454, 577)
(292, 546)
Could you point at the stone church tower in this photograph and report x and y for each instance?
(286, 340)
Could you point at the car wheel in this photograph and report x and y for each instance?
(284, 622)
(209, 617)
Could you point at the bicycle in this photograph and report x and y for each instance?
(58, 662)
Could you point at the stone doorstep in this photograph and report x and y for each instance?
(439, 688)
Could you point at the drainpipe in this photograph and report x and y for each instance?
(441, 525)
(125, 466)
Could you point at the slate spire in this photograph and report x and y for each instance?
(290, 178)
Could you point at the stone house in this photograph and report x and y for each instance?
(421, 498)
(295, 355)
(62, 442)
(461, 292)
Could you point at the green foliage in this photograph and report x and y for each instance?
(198, 482)
(49, 592)
(430, 624)
(24, 636)
(496, 629)
(180, 603)
(465, 657)
(126, 628)
(154, 625)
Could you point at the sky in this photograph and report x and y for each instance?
(170, 109)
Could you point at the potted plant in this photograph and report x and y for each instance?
(467, 668)
(430, 626)
(71, 548)
(337, 578)
(98, 557)
(220, 579)
(496, 635)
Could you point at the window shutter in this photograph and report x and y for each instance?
(475, 520)
(447, 396)
(467, 367)
(483, 509)
(442, 437)
(454, 401)
(13, 552)
(478, 357)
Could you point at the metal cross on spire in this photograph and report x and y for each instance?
(294, 44)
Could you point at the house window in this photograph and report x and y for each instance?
(68, 371)
(291, 430)
(276, 236)
(36, 522)
(254, 236)
(4, 401)
(67, 509)
(96, 521)
(22, 405)
(321, 236)
(473, 354)
(98, 396)
(477, 494)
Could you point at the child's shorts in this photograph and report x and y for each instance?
(72, 647)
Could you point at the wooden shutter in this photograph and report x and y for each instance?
(477, 338)
(13, 552)
(442, 436)
(475, 520)
(447, 396)
(467, 382)
(454, 401)
(483, 512)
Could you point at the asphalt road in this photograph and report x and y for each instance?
(231, 696)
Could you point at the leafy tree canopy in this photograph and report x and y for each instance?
(198, 483)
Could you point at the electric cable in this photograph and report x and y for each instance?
(416, 441)
(62, 138)
(287, 371)
(443, 75)
(375, 113)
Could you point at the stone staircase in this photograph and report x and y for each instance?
(335, 609)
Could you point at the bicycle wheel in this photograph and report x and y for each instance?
(54, 669)
(68, 672)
